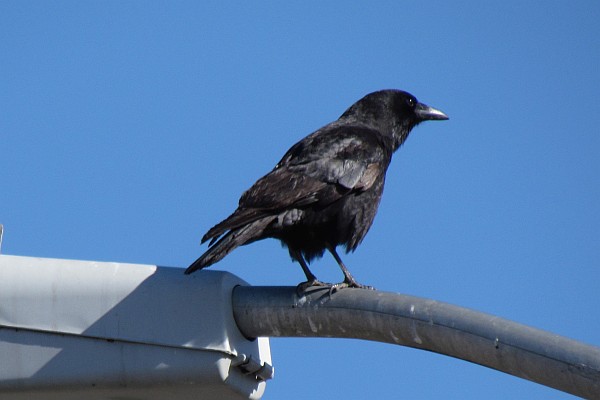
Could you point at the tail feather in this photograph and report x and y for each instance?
(241, 216)
(232, 239)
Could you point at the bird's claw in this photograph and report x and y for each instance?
(302, 287)
(338, 286)
(360, 286)
(333, 287)
(348, 284)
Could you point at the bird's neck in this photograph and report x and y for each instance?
(398, 136)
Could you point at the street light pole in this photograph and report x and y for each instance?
(494, 342)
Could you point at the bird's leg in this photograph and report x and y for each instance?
(349, 280)
(311, 279)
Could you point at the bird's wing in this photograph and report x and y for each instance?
(347, 173)
(319, 170)
(324, 166)
(278, 190)
(351, 157)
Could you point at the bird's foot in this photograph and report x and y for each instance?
(333, 287)
(361, 286)
(302, 287)
(337, 286)
(352, 284)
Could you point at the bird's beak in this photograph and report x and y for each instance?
(424, 112)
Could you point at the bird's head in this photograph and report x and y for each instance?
(392, 112)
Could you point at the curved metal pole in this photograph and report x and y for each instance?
(494, 342)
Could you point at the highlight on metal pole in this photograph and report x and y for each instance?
(494, 342)
(1, 232)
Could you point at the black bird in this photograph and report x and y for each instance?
(326, 189)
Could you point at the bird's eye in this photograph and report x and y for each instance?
(411, 102)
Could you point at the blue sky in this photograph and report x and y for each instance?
(130, 128)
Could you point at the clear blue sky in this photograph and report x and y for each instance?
(130, 128)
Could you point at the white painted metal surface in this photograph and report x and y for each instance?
(97, 330)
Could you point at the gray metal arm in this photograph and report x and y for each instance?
(497, 343)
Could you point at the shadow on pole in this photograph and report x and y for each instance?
(494, 342)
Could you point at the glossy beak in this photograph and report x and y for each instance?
(424, 112)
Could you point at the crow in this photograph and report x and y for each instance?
(326, 189)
